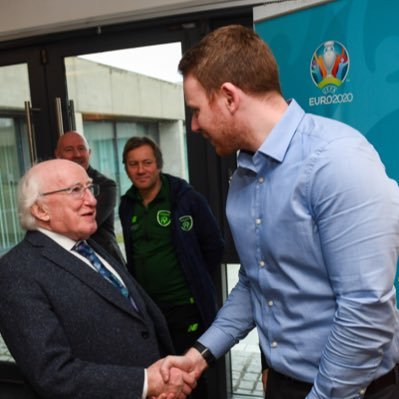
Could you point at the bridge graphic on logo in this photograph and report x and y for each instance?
(329, 66)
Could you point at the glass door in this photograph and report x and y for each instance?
(16, 153)
(123, 93)
(16, 147)
(114, 95)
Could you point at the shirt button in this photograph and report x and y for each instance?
(362, 391)
(261, 180)
(270, 303)
(261, 263)
(258, 221)
(274, 344)
(145, 334)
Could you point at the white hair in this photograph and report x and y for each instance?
(28, 193)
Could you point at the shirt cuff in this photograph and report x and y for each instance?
(216, 341)
(145, 385)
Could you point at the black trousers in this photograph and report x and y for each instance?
(184, 323)
(283, 387)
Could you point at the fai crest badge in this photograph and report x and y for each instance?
(186, 222)
(163, 218)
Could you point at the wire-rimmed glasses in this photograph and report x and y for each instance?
(76, 191)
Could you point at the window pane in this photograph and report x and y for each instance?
(143, 100)
(14, 157)
(115, 97)
(101, 141)
(14, 150)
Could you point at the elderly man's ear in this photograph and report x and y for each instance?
(39, 211)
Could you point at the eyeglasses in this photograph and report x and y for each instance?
(77, 191)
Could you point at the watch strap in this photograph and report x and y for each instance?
(205, 353)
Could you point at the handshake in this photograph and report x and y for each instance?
(174, 377)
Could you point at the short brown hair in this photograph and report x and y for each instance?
(136, 142)
(233, 54)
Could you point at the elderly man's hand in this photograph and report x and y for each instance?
(178, 386)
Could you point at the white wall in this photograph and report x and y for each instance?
(22, 18)
(97, 88)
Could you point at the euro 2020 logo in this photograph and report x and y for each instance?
(329, 66)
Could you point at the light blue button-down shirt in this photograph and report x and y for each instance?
(315, 221)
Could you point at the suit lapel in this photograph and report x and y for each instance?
(79, 269)
(124, 274)
(144, 303)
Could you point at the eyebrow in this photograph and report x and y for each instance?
(73, 146)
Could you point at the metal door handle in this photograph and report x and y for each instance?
(71, 113)
(31, 136)
(58, 115)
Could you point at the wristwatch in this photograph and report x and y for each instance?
(205, 353)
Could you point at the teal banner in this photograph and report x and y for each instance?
(341, 60)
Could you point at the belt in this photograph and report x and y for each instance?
(390, 378)
(282, 377)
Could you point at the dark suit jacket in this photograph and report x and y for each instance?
(106, 201)
(71, 332)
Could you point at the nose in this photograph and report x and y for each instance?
(89, 196)
(76, 153)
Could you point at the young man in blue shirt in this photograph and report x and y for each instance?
(315, 221)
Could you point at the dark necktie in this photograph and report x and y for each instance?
(85, 250)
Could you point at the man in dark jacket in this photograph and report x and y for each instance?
(73, 146)
(173, 244)
(77, 324)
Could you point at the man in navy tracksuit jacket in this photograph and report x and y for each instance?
(173, 244)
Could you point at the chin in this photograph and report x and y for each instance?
(223, 151)
(92, 231)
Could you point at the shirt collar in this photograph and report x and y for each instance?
(63, 241)
(277, 142)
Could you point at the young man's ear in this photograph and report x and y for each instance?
(231, 95)
(39, 211)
